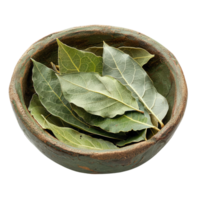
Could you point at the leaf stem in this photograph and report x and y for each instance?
(48, 115)
(140, 111)
(160, 122)
(154, 127)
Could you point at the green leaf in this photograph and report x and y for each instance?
(72, 60)
(48, 88)
(125, 69)
(155, 123)
(103, 96)
(154, 120)
(96, 50)
(141, 56)
(37, 110)
(73, 138)
(160, 74)
(124, 123)
(137, 137)
(66, 135)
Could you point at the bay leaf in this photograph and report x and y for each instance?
(155, 123)
(38, 110)
(154, 120)
(136, 137)
(124, 123)
(73, 138)
(48, 88)
(140, 55)
(72, 60)
(103, 96)
(96, 50)
(67, 135)
(125, 69)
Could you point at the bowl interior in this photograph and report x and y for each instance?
(157, 67)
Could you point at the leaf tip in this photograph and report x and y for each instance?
(104, 43)
(32, 59)
(58, 41)
(58, 76)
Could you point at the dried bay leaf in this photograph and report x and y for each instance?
(136, 137)
(37, 110)
(125, 69)
(141, 56)
(124, 123)
(72, 60)
(160, 75)
(155, 123)
(62, 131)
(96, 50)
(103, 96)
(154, 120)
(48, 88)
(73, 138)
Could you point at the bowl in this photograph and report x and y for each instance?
(163, 69)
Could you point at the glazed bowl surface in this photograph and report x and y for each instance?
(163, 69)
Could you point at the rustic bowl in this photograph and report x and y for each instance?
(163, 69)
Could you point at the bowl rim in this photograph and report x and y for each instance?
(21, 110)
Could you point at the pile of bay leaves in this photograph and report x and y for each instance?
(98, 98)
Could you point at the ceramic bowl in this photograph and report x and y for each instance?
(163, 69)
